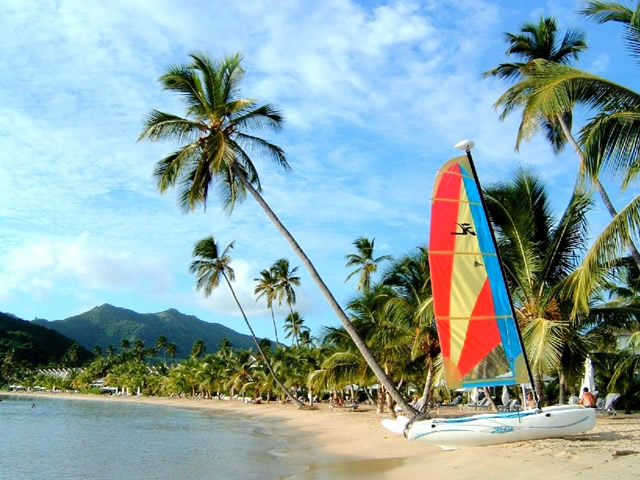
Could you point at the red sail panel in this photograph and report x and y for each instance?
(482, 333)
(443, 210)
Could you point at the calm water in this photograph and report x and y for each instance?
(75, 439)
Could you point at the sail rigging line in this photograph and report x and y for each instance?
(476, 179)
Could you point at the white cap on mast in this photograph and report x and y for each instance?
(465, 145)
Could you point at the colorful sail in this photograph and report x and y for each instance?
(478, 334)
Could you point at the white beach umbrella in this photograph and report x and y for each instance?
(505, 395)
(475, 394)
(589, 380)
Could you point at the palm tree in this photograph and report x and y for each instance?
(550, 89)
(210, 266)
(286, 279)
(538, 256)
(217, 136)
(162, 343)
(540, 41)
(266, 287)
(198, 348)
(364, 260)
(172, 349)
(625, 377)
(294, 326)
(412, 304)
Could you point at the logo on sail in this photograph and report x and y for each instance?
(466, 229)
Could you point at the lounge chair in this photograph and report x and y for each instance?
(607, 404)
(482, 404)
(453, 403)
(513, 404)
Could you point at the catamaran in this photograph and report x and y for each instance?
(479, 336)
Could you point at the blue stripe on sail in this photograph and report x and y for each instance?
(489, 382)
(502, 306)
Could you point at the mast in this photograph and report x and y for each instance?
(467, 145)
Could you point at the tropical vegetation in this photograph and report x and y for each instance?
(573, 296)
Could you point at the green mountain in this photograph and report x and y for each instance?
(23, 343)
(108, 325)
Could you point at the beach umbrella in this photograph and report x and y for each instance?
(475, 395)
(505, 396)
(589, 380)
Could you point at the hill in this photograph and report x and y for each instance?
(108, 325)
(22, 342)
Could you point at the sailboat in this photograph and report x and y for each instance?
(479, 336)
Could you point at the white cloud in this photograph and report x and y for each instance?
(43, 266)
(374, 99)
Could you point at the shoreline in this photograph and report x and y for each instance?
(332, 442)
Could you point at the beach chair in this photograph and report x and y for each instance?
(607, 404)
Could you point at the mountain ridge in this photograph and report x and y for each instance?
(107, 324)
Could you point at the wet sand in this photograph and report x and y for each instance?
(339, 443)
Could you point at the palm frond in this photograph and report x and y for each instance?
(611, 143)
(602, 12)
(165, 126)
(168, 170)
(543, 341)
(183, 80)
(607, 248)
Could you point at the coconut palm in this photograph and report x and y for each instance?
(198, 348)
(286, 279)
(162, 343)
(412, 303)
(294, 326)
(608, 142)
(216, 136)
(538, 256)
(365, 262)
(266, 286)
(625, 377)
(540, 41)
(210, 266)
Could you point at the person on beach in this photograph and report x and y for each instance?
(530, 402)
(587, 400)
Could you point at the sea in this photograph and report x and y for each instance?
(49, 438)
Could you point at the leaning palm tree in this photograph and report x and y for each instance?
(540, 41)
(216, 136)
(365, 262)
(210, 266)
(266, 287)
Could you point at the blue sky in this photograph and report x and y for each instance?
(374, 95)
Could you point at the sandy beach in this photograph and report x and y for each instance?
(354, 442)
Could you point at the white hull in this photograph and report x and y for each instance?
(504, 427)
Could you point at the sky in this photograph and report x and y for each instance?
(374, 94)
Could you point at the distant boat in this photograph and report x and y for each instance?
(479, 337)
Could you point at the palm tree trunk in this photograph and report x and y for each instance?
(426, 393)
(255, 340)
(539, 388)
(487, 394)
(382, 394)
(346, 323)
(562, 381)
(598, 186)
(275, 329)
